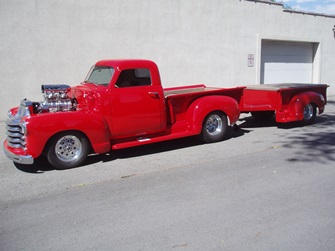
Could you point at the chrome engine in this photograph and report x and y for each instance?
(56, 99)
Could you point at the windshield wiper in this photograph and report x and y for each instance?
(90, 82)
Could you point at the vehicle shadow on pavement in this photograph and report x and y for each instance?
(309, 143)
(158, 147)
(317, 144)
(251, 122)
(41, 165)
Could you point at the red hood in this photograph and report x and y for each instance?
(87, 95)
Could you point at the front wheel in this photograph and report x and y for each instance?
(309, 114)
(214, 127)
(67, 150)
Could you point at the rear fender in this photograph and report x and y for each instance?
(43, 127)
(201, 107)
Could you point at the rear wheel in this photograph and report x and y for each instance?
(67, 150)
(214, 127)
(309, 114)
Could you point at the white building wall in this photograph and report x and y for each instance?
(192, 41)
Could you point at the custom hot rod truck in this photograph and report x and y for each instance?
(121, 104)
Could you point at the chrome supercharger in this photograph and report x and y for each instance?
(56, 99)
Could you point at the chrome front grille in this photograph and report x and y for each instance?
(15, 135)
(16, 127)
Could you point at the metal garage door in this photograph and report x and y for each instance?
(283, 62)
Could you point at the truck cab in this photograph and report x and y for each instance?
(134, 102)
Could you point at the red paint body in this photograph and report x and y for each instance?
(113, 117)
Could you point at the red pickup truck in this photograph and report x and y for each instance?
(121, 103)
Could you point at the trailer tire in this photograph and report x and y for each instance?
(214, 127)
(309, 114)
(67, 150)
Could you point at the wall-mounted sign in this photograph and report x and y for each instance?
(250, 60)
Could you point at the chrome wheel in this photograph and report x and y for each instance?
(68, 148)
(308, 112)
(214, 125)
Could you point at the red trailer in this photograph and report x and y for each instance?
(287, 102)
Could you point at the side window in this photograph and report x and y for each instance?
(134, 77)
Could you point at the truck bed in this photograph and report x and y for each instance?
(202, 90)
(188, 89)
(178, 99)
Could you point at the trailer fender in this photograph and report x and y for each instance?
(43, 127)
(295, 109)
(299, 102)
(201, 107)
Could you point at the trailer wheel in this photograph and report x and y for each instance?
(214, 127)
(309, 114)
(67, 150)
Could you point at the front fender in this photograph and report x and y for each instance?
(41, 127)
(201, 107)
(295, 109)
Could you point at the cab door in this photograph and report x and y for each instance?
(137, 105)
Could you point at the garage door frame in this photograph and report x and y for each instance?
(317, 48)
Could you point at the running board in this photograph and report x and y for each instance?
(146, 140)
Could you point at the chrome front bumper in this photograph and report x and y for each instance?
(22, 159)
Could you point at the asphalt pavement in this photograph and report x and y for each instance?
(266, 187)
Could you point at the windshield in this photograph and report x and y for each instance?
(100, 75)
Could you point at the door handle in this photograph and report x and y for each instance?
(153, 94)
